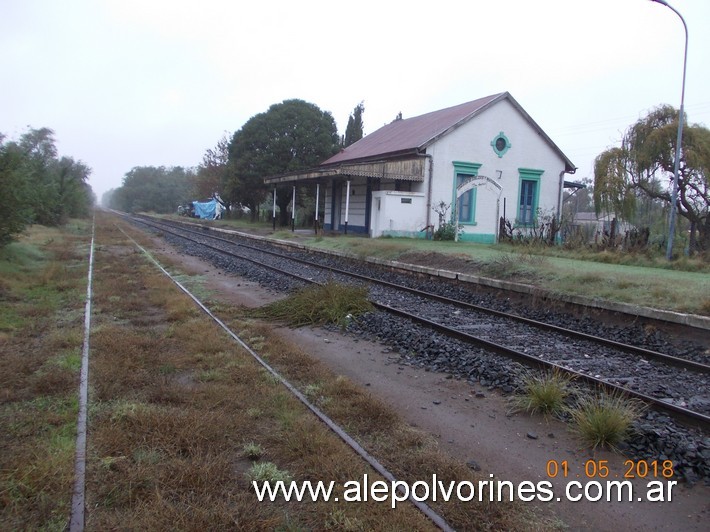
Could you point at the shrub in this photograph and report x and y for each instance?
(447, 231)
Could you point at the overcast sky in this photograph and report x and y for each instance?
(129, 83)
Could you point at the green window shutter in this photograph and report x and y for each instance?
(529, 195)
(466, 203)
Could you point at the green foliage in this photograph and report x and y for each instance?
(544, 393)
(321, 304)
(291, 136)
(355, 128)
(447, 231)
(611, 188)
(252, 450)
(38, 187)
(644, 167)
(15, 198)
(605, 419)
(212, 169)
(267, 472)
(150, 188)
(73, 195)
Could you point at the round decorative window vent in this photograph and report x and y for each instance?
(500, 144)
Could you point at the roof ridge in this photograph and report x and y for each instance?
(411, 134)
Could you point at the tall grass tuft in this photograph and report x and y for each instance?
(544, 393)
(267, 472)
(252, 450)
(605, 419)
(330, 303)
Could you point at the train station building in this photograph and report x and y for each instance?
(477, 162)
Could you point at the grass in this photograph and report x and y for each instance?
(252, 450)
(545, 393)
(173, 450)
(41, 331)
(644, 279)
(267, 472)
(174, 398)
(330, 303)
(604, 419)
(599, 419)
(518, 267)
(168, 435)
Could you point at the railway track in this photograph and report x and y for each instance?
(670, 383)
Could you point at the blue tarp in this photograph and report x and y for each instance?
(205, 210)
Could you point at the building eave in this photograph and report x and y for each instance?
(406, 166)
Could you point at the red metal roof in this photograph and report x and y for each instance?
(411, 134)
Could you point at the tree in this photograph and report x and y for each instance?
(39, 161)
(291, 136)
(38, 187)
(73, 195)
(108, 198)
(579, 199)
(150, 188)
(355, 129)
(645, 162)
(212, 169)
(16, 212)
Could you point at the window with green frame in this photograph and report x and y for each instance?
(466, 203)
(529, 195)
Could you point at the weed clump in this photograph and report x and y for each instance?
(267, 472)
(330, 303)
(605, 419)
(252, 450)
(544, 393)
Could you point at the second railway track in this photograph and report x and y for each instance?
(675, 384)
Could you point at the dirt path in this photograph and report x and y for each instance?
(472, 424)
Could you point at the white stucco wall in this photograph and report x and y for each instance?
(469, 143)
(398, 213)
(472, 143)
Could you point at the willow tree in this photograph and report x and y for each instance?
(644, 166)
